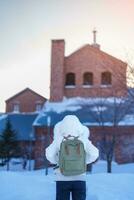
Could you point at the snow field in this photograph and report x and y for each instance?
(33, 185)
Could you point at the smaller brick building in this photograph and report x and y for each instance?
(25, 101)
(21, 110)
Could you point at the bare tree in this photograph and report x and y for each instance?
(106, 112)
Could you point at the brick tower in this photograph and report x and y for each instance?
(57, 70)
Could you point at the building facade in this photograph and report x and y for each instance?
(87, 74)
(25, 101)
(21, 110)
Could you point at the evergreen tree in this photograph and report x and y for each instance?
(8, 145)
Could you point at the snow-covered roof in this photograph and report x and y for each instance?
(3, 118)
(90, 111)
(21, 123)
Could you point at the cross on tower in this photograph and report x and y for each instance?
(94, 36)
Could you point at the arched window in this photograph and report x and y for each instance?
(70, 79)
(88, 78)
(106, 78)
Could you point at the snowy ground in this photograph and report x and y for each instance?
(18, 184)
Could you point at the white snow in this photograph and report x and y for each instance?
(127, 120)
(33, 185)
(59, 107)
(3, 116)
(98, 108)
(98, 124)
(75, 103)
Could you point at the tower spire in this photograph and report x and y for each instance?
(94, 44)
(94, 36)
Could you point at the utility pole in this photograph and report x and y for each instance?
(30, 149)
(48, 138)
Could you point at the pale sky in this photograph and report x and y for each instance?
(28, 26)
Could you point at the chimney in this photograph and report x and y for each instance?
(57, 70)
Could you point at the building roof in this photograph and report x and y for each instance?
(90, 111)
(23, 91)
(21, 123)
(96, 51)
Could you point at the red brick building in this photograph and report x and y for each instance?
(21, 110)
(83, 77)
(25, 101)
(87, 72)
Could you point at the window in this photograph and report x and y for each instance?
(16, 107)
(106, 78)
(38, 106)
(88, 78)
(70, 79)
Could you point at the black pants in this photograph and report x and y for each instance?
(76, 188)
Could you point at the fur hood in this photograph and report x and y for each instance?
(70, 125)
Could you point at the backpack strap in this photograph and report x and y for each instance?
(78, 149)
(66, 150)
(66, 147)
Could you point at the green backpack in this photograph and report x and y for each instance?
(72, 156)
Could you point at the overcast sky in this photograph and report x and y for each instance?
(27, 27)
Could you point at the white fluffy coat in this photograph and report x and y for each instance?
(70, 125)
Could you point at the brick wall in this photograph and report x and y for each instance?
(89, 59)
(86, 59)
(42, 141)
(27, 102)
(27, 148)
(124, 142)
